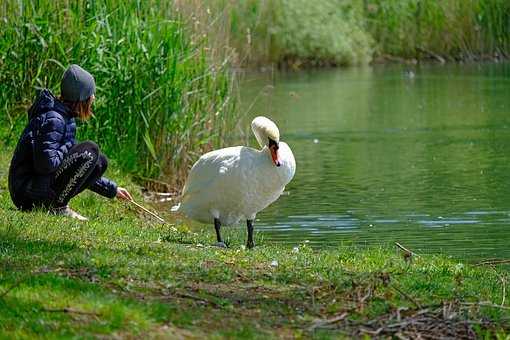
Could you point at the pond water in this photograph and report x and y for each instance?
(416, 155)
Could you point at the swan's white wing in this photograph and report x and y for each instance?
(288, 169)
(217, 184)
(208, 170)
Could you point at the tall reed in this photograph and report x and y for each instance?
(455, 29)
(348, 32)
(292, 32)
(161, 99)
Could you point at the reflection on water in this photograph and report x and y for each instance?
(382, 157)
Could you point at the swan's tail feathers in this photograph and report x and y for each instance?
(175, 208)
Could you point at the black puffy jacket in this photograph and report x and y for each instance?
(47, 138)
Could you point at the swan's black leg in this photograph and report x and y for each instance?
(217, 226)
(250, 244)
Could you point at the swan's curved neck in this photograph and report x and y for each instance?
(261, 138)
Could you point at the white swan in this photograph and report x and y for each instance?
(235, 183)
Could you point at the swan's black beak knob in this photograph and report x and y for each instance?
(273, 146)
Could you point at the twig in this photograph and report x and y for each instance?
(16, 284)
(189, 296)
(148, 212)
(313, 297)
(401, 336)
(492, 262)
(197, 298)
(407, 296)
(367, 295)
(485, 304)
(322, 323)
(503, 282)
(406, 250)
(502, 278)
(68, 310)
(371, 332)
(431, 54)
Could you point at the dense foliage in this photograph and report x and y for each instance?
(456, 29)
(350, 32)
(160, 99)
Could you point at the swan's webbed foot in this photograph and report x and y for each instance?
(250, 243)
(220, 245)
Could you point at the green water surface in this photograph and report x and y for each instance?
(413, 154)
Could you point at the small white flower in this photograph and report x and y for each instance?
(295, 250)
(274, 263)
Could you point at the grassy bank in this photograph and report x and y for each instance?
(351, 32)
(162, 96)
(124, 276)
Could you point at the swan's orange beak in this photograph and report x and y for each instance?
(274, 155)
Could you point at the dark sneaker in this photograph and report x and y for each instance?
(68, 212)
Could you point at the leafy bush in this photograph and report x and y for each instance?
(320, 32)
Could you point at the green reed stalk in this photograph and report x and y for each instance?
(456, 29)
(349, 32)
(161, 100)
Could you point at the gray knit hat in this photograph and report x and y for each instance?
(77, 84)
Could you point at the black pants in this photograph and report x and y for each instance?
(80, 169)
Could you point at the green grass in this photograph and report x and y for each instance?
(162, 97)
(123, 275)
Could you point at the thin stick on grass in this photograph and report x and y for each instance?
(492, 262)
(68, 310)
(322, 323)
(189, 296)
(16, 284)
(148, 212)
(406, 250)
(485, 304)
(407, 296)
(503, 283)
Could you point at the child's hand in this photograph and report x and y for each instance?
(123, 194)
